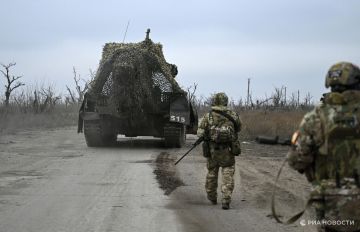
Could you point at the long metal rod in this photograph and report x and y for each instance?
(127, 26)
(184, 155)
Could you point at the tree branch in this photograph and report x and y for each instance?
(14, 79)
(71, 94)
(9, 65)
(16, 86)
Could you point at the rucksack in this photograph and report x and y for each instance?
(337, 165)
(221, 129)
(339, 156)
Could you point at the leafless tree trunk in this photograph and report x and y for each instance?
(10, 86)
(293, 102)
(78, 96)
(50, 99)
(191, 92)
(36, 102)
(307, 99)
(72, 98)
(277, 97)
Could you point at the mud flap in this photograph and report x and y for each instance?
(193, 127)
(80, 119)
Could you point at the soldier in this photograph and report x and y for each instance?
(326, 148)
(220, 128)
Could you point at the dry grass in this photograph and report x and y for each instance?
(270, 123)
(13, 118)
(255, 122)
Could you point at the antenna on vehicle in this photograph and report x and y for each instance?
(127, 26)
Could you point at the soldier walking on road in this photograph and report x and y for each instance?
(326, 148)
(220, 128)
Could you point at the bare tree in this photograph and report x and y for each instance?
(21, 100)
(72, 96)
(307, 99)
(77, 96)
(191, 92)
(277, 96)
(50, 98)
(35, 103)
(12, 81)
(92, 76)
(293, 101)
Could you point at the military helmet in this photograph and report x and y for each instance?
(343, 74)
(219, 99)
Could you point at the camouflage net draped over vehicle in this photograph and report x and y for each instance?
(133, 77)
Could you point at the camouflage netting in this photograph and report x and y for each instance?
(134, 77)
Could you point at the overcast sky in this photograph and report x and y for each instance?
(217, 44)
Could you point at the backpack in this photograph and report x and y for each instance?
(337, 163)
(339, 156)
(221, 128)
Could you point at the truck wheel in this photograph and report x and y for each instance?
(174, 135)
(96, 135)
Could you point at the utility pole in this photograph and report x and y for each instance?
(298, 100)
(248, 93)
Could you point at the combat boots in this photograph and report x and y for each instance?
(214, 202)
(212, 199)
(225, 206)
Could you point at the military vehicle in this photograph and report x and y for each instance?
(134, 93)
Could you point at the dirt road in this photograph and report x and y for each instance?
(50, 181)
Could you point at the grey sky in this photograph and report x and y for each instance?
(217, 44)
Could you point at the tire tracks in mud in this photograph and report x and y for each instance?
(165, 173)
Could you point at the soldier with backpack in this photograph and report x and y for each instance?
(326, 148)
(219, 129)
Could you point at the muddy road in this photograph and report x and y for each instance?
(50, 181)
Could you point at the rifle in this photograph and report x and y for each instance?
(197, 142)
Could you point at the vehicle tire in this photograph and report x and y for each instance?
(97, 134)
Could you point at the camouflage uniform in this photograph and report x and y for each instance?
(326, 148)
(220, 154)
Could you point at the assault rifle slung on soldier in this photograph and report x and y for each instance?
(197, 142)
